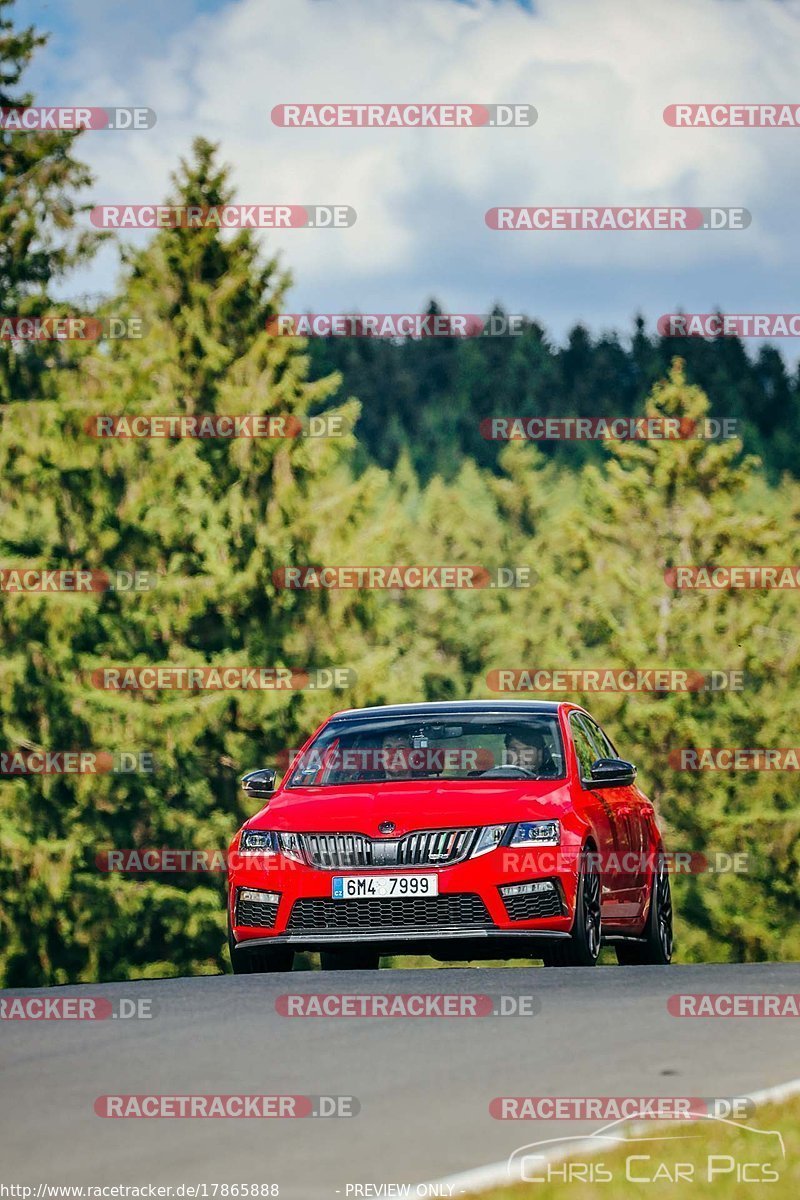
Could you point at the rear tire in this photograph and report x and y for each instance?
(359, 958)
(583, 947)
(656, 949)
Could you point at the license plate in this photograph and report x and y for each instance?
(352, 887)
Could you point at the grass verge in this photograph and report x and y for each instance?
(712, 1161)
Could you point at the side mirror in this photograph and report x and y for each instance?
(612, 772)
(259, 784)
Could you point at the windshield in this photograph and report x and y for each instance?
(477, 747)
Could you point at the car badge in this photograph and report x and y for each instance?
(387, 827)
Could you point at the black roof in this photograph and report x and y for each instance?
(453, 708)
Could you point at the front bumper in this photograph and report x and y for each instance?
(469, 910)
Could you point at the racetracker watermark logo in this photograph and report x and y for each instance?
(431, 759)
(543, 861)
(221, 679)
(41, 119)
(734, 1004)
(211, 1106)
(605, 429)
(398, 577)
(76, 1008)
(722, 325)
(735, 758)
(36, 580)
(76, 762)
(614, 1108)
(403, 116)
(405, 1006)
(397, 325)
(616, 219)
(71, 327)
(172, 861)
(214, 425)
(613, 679)
(223, 216)
(719, 116)
(785, 578)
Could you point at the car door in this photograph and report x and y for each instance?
(604, 819)
(627, 801)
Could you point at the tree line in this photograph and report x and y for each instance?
(212, 521)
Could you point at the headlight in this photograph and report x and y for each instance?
(257, 841)
(265, 841)
(489, 837)
(536, 833)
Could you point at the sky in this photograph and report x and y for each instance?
(599, 72)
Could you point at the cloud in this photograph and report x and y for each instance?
(599, 73)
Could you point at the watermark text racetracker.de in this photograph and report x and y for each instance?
(27, 578)
(729, 325)
(401, 577)
(615, 219)
(415, 1005)
(741, 115)
(214, 425)
(223, 678)
(42, 118)
(223, 216)
(156, 1106)
(403, 116)
(602, 429)
(724, 578)
(75, 762)
(66, 327)
(614, 1108)
(613, 679)
(627, 862)
(76, 1008)
(735, 1004)
(397, 325)
(735, 758)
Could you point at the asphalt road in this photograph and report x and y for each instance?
(424, 1085)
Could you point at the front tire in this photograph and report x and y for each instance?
(357, 958)
(583, 947)
(656, 949)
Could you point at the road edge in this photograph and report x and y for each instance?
(497, 1174)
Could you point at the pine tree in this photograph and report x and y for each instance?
(658, 505)
(39, 239)
(212, 519)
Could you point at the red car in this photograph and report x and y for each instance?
(464, 830)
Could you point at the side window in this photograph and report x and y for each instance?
(604, 746)
(584, 749)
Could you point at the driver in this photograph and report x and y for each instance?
(526, 747)
(396, 755)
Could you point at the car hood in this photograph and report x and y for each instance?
(427, 804)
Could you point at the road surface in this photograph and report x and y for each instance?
(424, 1085)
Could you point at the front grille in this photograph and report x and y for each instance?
(331, 850)
(390, 913)
(427, 848)
(255, 912)
(537, 904)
